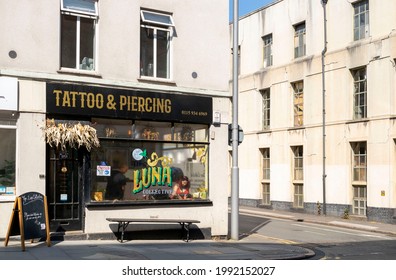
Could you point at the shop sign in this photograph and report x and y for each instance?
(72, 99)
(153, 175)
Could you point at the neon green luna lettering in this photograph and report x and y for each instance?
(152, 176)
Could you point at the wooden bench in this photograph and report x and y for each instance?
(124, 222)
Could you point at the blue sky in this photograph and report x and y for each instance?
(246, 6)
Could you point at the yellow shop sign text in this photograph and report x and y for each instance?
(82, 100)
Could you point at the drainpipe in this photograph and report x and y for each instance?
(324, 2)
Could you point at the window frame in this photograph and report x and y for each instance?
(298, 180)
(11, 197)
(266, 107)
(298, 163)
(300, 34)
(298, 103)
(298, 201)
(79, 15)
(144, 19)
(156, 26)
(358, 12)
(359, 108)
(359, 183)
(266, 176)
(359, 206)
(359, 163)
(267, 50)
(165, 137)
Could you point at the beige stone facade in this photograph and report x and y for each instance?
(281, 110)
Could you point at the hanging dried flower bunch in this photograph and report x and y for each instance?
(71, 135)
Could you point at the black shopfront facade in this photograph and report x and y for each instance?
(159, 137)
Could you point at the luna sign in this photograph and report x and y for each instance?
(72, 99)
(153, 175)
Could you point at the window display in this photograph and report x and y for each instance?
(153, 161)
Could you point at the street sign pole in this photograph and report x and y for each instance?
(235, 132)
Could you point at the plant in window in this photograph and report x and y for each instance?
(62, 135)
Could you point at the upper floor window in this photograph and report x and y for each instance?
(79, 20)
(360, 93)
(299, 40)
(266, 108)
(267, 50)
(298, 103)
(155, 44)
(361, 20)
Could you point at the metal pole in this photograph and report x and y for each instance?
(324, 2)
(235, 169)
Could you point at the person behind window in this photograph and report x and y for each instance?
(181, 190)
(116, 183)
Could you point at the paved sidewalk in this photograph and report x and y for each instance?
(250, 247)
(352, 222)
(153, 250)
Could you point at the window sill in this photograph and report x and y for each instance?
(298, 182)
(7, 198)
(79, 72)
(359, 183)
(153, 203)
(145, 79)
(362, 120)
(296, 128)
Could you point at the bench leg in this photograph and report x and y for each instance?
(186, 227)
(122, 226)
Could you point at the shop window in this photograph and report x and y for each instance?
(7, 160)
(155, 44)
(190, 132)
(150, 165)
(78, 34)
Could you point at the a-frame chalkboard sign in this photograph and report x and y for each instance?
(29, 218)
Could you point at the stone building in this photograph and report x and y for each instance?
(288, 109)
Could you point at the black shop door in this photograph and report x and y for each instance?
(65, 189)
